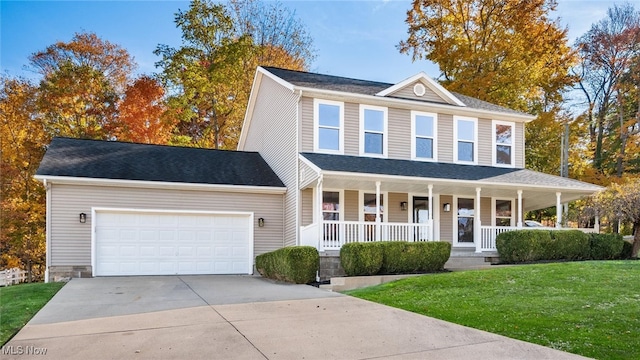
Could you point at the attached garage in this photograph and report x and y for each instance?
(120, 209)
(171, 243)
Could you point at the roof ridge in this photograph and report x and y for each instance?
(150, 145)
(329, 75)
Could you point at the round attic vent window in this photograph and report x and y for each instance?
(419, 89)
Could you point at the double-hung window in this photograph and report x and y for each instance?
(503, 212)
(328, 126)
(503, 142)
(423, 134)
(373, 131)
(466, 136)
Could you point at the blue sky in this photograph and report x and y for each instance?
(353, 38)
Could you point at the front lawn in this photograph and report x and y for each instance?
(18, 304)
(589, 308)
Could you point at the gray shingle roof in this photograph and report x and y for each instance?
(365, 87)
(435, 170)
(129, 161)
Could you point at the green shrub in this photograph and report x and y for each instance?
(394, 257)
(606, 246)
(401, 257)
(296, 264)
(627, 250)
(523, 245)
(569, 245)
(358, 259)
(433, 255)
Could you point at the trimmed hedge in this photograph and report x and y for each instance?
(569, 245)
(533, 245)
(360, 259)
(296, 264)
(523, 245)
(607, 246)
(394, 257)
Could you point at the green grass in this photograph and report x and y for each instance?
(18, 304)
(588, 308)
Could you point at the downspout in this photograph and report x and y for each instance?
(297, 200)
(47, 187)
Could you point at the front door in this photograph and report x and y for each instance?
(421, 216)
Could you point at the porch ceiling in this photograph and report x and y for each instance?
(357, 173)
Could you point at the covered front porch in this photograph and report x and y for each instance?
(339, 207)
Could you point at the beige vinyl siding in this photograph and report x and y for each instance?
(519, 145)
(445, 138)
(351, 129)
(306, 204)
(273, 133)
(485, 143)
(485, 211)
(306, 124)
(446, 219)
(71, 240)
(394, 213)
(351, 208)
(407, 93)
(399, 134)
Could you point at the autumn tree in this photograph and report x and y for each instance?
(210, 75)
(621, 202)
(82, 81)
(607, 54)
(142, 113)
(22, 145)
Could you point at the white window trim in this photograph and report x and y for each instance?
(414, 135)
(494, 143)
(493, 210)
(385, 134)
(455, 140)
(385, 204)
(454, 224)
(316, 126)
(340, 199)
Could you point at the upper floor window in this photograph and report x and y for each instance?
(328, 126)
(503, 154)
(465, 134)
(423, 134)
(373, 130)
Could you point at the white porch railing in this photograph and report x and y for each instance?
(334, 234)
(489, 234)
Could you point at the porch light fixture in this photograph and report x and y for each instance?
(446, 207)
(83, 218)
(403, 205)
(261, 222)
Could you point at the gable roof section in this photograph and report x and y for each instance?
(443, 93)
(113, 160)
(373, 88)
(445, 171)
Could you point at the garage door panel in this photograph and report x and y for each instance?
(131, 243)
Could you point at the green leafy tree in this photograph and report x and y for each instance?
(209, 77)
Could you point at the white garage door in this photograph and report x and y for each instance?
(156, 243)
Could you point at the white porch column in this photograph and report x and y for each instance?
(477, 232)
(317, 214)
(596, 226)
(519, 224)
(430, 235)
(378, 220)
(558, 209)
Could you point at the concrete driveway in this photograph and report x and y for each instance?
(242, 317)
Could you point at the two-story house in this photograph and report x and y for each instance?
(322, 161)
(371, 161)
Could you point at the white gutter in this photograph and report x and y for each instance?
(162, 184)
